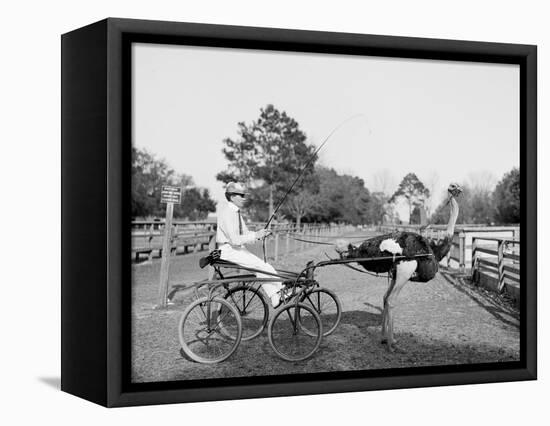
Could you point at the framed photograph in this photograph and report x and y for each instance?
(254, 212)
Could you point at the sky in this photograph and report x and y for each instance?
(445, 121)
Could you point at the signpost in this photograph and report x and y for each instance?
(169, 195)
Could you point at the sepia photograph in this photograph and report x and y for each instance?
(295, 213)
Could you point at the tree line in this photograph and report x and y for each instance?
(271, 151)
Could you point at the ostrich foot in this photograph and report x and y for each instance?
(384, 341)
(395, 348)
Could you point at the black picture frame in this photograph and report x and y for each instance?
(96, 90)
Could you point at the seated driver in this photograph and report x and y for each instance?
(232, 235)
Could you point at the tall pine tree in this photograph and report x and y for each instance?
(267, 156)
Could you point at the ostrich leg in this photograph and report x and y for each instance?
(385, 312)
(404, 271)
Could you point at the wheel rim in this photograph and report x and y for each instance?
(203, 340)
(326, 305)
(252, 308)
(288, 338)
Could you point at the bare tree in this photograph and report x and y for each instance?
(301, 204)
(482, 181)
(432, 183)
(384, 181)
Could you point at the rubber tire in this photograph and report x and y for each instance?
(277, 315)
(184, 317)
(304, 299)
(255, 292)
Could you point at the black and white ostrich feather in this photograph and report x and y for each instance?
(401, 243)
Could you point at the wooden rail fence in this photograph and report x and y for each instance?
(496, 260)
(185, 236)
(489, 253)
(147, 242)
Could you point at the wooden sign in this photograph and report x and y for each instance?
(170, 194)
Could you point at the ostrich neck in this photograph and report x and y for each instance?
(453, 217)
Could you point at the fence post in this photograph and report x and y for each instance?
(462, 250)
(474, 257)
(287, 242)
(500, 251)
(276, 246)
(150, 241)
(474, 250)
(166, 253)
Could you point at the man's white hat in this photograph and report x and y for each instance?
(235, 187)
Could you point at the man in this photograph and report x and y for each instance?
(233, 234)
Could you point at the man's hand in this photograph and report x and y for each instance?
(262, 233)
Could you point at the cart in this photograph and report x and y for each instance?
(231, 307)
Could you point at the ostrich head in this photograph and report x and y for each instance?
(454, 190)
(342, 247)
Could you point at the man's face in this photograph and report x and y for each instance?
(238, 200)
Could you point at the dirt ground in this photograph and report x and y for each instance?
(444, 322)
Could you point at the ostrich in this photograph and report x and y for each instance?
(421, 269)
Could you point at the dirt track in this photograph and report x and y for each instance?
(443, 322)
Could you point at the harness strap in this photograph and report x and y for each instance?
(313, 242)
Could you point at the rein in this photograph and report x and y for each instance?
(325, 237)
(362, 271)
(362, 237)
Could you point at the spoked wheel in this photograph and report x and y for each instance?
(200, 330)
(252, 308)
(286, 333)
(327, 305)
